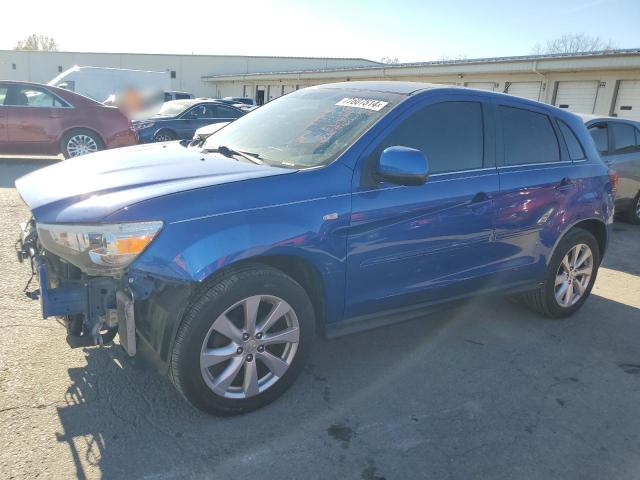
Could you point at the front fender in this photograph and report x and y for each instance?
(210, 229)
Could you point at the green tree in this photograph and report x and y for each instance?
(37, 42)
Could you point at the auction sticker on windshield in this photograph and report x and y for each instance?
(367, 103)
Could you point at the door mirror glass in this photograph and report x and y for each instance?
(403, 166)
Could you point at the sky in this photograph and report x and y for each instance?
(410, 30)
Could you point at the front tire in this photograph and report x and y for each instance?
(243, 341)
(570, 276)
(164, 136)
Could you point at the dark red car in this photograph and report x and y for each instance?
(39, 119)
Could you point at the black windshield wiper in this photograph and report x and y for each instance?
(230, 152)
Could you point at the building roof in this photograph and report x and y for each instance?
(402, 88)
(630, 52)
(72, 52)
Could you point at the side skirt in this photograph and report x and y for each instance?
(390, 317)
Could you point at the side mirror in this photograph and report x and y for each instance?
(403, 166)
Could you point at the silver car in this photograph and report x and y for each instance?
(618, 141)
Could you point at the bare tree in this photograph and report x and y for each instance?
(390, 60)
(573, 43)
(37, 42)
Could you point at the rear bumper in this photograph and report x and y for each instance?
(124, 138)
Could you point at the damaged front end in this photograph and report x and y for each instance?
(93, 306)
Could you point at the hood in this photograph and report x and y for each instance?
(209, 130)
(89, 188)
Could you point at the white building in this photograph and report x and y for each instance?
(606, 83)
(187, 71)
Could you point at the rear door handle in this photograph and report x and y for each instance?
(566, 184)
(480, 199)
(480, 202)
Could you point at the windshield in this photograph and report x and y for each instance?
(307, 128)
(173, 108)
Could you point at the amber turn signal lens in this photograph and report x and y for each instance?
(132, 245)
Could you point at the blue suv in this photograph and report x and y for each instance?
(179, 119)
(331, 210)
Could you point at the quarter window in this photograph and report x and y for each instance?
(573, 144)
(450, 134)
(528, 137)
(624, 137)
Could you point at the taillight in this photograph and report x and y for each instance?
(613, 178)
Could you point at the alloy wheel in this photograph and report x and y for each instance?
(81, 144)
(163, 137)
(573, 275)
(249, 347)
(638, 207)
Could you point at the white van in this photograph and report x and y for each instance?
(99, 83)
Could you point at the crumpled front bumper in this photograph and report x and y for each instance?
(63, 291)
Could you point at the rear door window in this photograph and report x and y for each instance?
(224, 112)
(625, 138)
(450, 134)
(572, 142)
(528, 137)
(600, 135)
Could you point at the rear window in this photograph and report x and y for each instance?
(572, 142)
(528, 137)
(625, 138)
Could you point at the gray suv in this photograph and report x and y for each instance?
(618, 142)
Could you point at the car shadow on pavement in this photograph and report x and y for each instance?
(122, 420)
(14, 168)
(625, 242)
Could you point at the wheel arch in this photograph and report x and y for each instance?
(297, 267)
(165, 129)
(80, 128)
(595, 226)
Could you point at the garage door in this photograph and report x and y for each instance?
(577, 96)
(273, 92)
(530, 90)
(288, 89)
(491, 86)
(628, 100)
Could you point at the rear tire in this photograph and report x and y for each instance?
(550, 299)
(224, 366)
(80, 142)
(633, 215)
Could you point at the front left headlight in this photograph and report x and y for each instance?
(98, 249)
